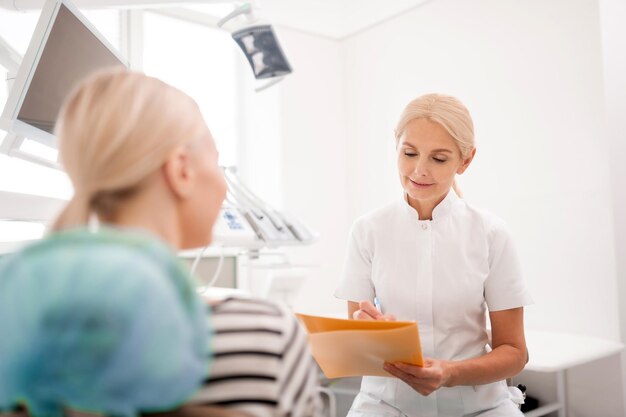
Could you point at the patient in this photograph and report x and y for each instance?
(100, 316)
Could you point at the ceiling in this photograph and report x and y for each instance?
(335, 19)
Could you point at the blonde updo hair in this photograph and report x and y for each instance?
(448, 112)
(116, 129)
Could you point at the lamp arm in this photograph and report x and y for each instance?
(245, 8)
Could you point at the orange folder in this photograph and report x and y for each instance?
(345, 348)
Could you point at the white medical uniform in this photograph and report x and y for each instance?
(443, 273)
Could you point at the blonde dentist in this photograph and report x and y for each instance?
(434, 258)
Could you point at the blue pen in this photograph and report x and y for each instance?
(377, 305)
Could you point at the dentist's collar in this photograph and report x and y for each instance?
(439, 212)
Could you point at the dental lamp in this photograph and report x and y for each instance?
(259, 44)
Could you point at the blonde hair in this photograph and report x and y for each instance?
(448, 112)
(115, 130)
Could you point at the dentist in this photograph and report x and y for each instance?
(433, 258)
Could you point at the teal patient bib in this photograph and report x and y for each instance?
(105, 321)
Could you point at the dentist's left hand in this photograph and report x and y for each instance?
(425, 380)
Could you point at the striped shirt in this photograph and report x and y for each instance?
(261, 361)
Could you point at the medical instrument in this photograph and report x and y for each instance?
(216, 274)
(249, 222)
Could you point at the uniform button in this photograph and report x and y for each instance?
(424, 226)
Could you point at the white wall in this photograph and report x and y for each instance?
(259, 149)
(532, 74)
(315, 150)
(613, 15)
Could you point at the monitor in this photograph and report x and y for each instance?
(64, 49)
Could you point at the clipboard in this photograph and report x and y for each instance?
(344, 348)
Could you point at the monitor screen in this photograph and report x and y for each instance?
(72, 51)
(64, 49)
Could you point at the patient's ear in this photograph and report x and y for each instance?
(179, 172)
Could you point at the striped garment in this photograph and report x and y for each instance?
(261, 361)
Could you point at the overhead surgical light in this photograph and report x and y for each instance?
(260, 45)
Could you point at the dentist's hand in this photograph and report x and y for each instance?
(425, 380)
(367, 311)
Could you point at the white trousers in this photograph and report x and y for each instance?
(506, 409)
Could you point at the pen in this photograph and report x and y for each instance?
(377, 305)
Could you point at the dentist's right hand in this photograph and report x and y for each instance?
(367, 311)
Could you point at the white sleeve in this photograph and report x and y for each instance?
(356, 282)
(505, 287)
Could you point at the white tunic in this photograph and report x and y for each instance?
(443, 273)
